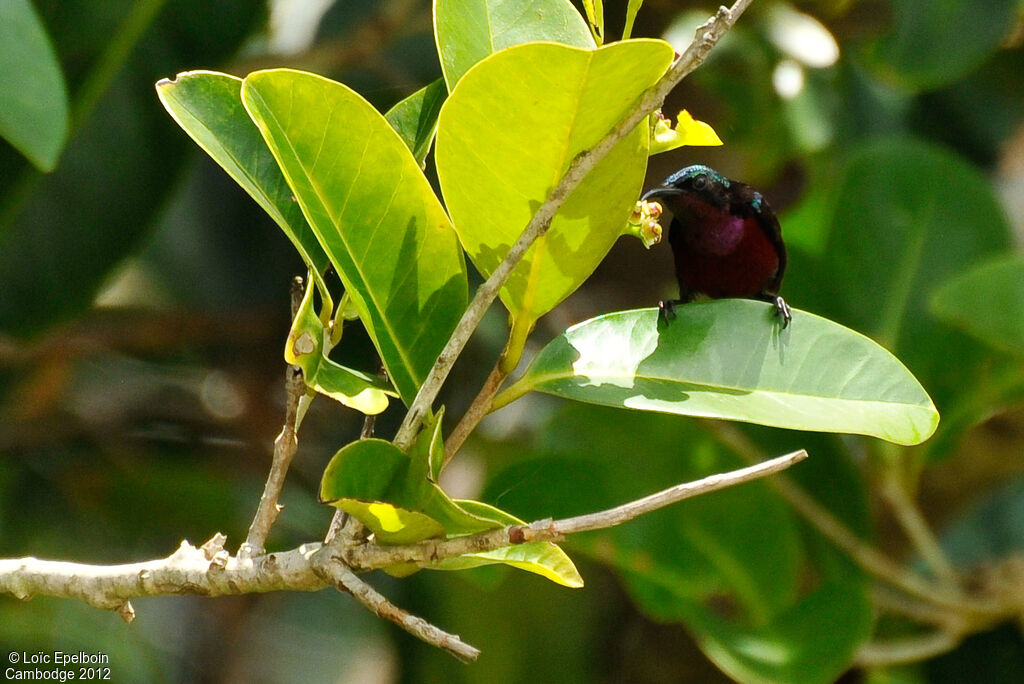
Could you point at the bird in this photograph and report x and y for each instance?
(726, 240)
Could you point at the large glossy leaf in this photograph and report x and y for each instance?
(987, 301)
(926, 46)
(208, 106)
(33, 97)
(467, 31)
(501, 150)
(728, 359)
(373, 212)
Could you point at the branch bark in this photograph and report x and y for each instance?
(707, 36)
(285, 446)
(211, 571)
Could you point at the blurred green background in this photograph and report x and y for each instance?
(144, 300)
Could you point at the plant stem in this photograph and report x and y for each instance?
(706, 37)
(860, 552)
(480, 407)
(285, 446)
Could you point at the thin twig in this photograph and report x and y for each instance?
(910, 518)
(285, 446)
(371, 556)
(706, 38)
(863, 554)
(339, 575)
(480, 407)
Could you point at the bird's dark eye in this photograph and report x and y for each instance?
(700, 182)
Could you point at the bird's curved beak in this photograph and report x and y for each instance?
(661, 191)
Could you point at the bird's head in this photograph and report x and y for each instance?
(692, 187)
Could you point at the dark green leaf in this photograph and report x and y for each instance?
(987, 302)
(33, 96)
(415, 118)
(929, 44)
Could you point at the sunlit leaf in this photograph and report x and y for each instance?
(728, 359)
(467, 31)
(542, 558)
(208, 106)
(387, 491)
(501, 150)
(33, 95)
(415, 118)
(372, 210)
(987, 301)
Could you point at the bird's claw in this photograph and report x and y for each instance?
(667, 309)
(783, 311)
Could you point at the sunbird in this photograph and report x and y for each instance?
(726, 240)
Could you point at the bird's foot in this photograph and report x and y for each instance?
(783, 311)
(667, 308)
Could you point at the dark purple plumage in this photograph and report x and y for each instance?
(725, 238)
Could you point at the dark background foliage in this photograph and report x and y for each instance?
(144, 299)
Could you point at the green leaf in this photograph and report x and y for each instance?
(501, 150)
(386, 490)
(208, 106)
(631, 11)
(736, 566)
(727, 359)
(892, 236)
(60, 244)
(308, 346)
(987, 302)
(926, 47)
(594, 10)
(541, 558)
(415, 118)
(467, 31)
(373, 212)
(33, 95)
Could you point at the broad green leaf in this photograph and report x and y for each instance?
(926, 47)
(428, 449)
(307, 347)
(369, 480)
(373, 212)
(33, 95)
(501, 150)
(728, 359)
(987, 302)
(208, 106)
(542, 558)
(467, 31)
(415, 118)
